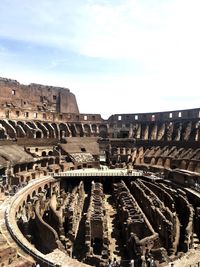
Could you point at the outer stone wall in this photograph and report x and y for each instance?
(37, 97)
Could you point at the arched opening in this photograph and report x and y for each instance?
(97, 244)
(56, 130)
(103, 132)
(19, 210)
(153, 161)
(30, 166)
(43, 163)
(2, 134)
(87, 129)
(57, 160)
(191, 166)
(183, 165)
(51, 161)
(44, 153)
(167, 163)
(94, 128)
(160, 162)
(43, 129)
(73, 130)
(79, 130)
(38, 134)
(64, 131)
(28, 198)
(48, 190)
(39, 190)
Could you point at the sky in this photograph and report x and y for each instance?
(116, 56)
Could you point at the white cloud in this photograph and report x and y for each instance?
(161, 35)
(128, 29)
(125, 94)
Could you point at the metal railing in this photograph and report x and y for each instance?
(97, 174)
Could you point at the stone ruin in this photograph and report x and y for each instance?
(55, 211)
(96, 226)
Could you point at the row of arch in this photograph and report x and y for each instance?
(140, 155)
(176, 131)
(31, 129)
(32, 196)
(189, 165)
(168, 131)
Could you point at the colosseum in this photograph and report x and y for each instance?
(78, 190)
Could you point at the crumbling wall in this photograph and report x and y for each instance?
(69, 214)
(96, 225)
(37, 97)
(162, 194)
(164, 221)
(136, 229)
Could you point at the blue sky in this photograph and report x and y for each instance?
(117, 56)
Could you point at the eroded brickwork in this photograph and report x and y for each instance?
(89, 218)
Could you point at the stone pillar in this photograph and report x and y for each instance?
(70, 133)
(153, 134)
(138, 131)
(161, 132)
(91, 130)
(76, 132)
(83, 129)
(130, 134)
(197, 135)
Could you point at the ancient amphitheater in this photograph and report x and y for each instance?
(77, 190)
